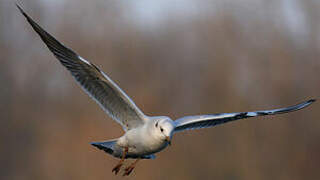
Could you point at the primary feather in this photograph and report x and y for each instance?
(95, 83)
(203, 121)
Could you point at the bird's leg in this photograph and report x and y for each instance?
(116, 169)
(129, 169)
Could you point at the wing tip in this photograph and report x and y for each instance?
(305, 104)
(20, 9)
(34, 25)
(311, 101)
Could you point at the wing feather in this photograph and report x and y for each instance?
(93, 81)
(204, 121)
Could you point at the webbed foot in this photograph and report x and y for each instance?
(128, 170)
(116, 169)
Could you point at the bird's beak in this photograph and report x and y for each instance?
(168, 140)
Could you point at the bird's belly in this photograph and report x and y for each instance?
(144, 148)
(139, 150)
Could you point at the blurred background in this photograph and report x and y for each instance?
(174, 58)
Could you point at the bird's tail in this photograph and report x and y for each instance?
(106, 146)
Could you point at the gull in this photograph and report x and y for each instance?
(144, 135)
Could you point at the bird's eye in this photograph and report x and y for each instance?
(161, 129)
(157, 124)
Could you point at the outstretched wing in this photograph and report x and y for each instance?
(95, 83)
(204, 121)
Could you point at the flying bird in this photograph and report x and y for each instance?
(144, 135)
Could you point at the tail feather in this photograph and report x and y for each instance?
(109, 147)
(106, 146)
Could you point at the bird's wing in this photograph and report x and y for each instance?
(204, 121)
(94, 82)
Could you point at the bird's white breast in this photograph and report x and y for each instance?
(141, 142)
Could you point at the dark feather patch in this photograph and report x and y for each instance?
(203, 121)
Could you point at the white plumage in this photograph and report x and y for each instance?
(144, 136)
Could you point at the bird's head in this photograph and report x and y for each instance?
(163, 127)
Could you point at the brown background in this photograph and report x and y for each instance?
(175, 58)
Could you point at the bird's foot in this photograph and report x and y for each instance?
(128, 170)
(116, 169)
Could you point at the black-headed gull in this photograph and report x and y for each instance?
(144, 135)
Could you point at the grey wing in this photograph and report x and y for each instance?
(95, 83)
(204, 121)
